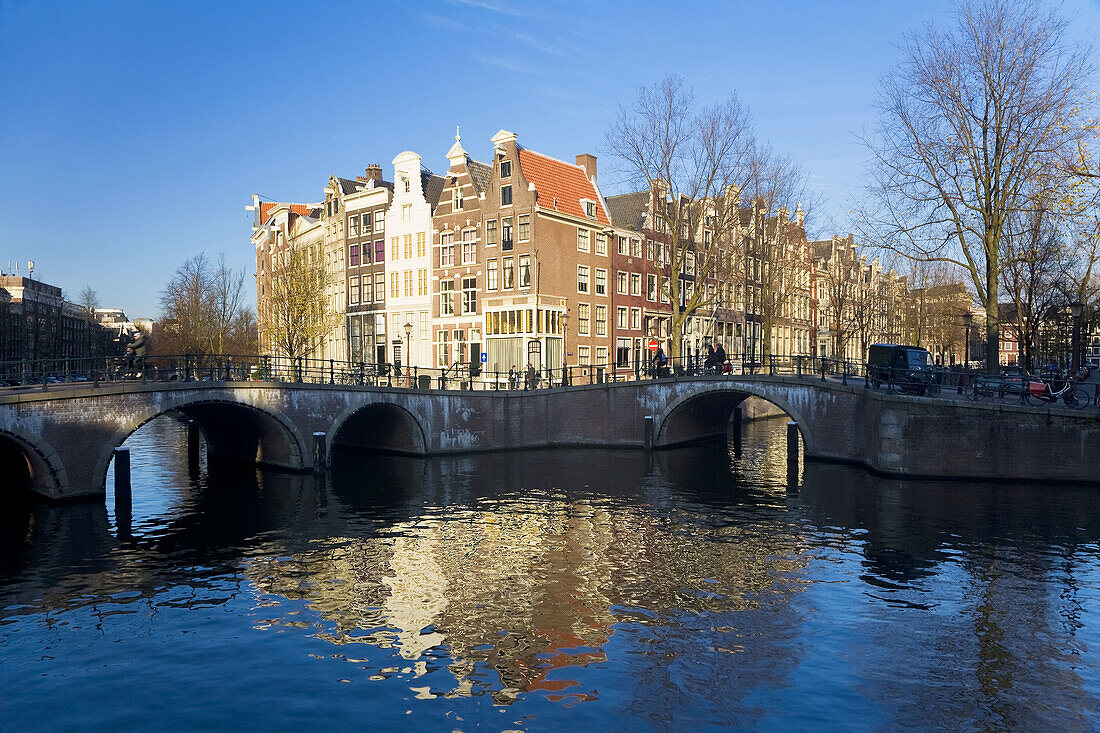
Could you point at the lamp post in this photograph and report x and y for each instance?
(968, 319)
(408, 352)
(1075, 309)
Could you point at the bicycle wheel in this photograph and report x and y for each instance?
(976, 393)
(1011, 394)
(1035, 399)
(1077, 398)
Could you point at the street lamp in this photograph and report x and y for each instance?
(408, 339)
(1075, 309)
(968, 319)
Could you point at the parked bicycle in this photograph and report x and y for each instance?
(1041, 392)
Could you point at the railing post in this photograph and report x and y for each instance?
(141, 365)
(95, 373)
(824, 367)
(798, 360)
(771, 364)
(844, 377)
(332, 371)
(66, 369)
(298, 370)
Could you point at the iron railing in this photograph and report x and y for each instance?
(47, 374)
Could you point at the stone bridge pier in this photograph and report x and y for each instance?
(60, 443)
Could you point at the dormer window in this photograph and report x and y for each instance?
(589, 208)
(505, 169)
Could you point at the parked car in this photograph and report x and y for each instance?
(907, 369)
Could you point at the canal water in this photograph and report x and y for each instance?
(699, 589)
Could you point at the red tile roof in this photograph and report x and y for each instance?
(266, 207)
(565, 182)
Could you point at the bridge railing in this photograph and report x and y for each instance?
(47, 374)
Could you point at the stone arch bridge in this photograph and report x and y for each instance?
(60, 443)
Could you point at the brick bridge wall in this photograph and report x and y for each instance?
(66, 437)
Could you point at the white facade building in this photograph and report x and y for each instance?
(408, 261)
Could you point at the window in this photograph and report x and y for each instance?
(582, 318)
(395, 286)
(379, 287)
(505, 195)
(408, 278)
(524, 227)
(446, 297)
(443, 347)
(353, 291)
(420, 245)
(491, 274)
(446, 249)
(601, 320)
(422, 281)
(408, 241)
(620, 317)
(622, 352)
(582, 355)
(590, 209)
(635, 318)
(620, 281)
(635, 247)
(380, 251)
(509, 274)
(469, 246)
(635, 284)
(406, 182)
(491, 233)
(601, 244)
(665, 288)
(367, 295)
(353, 226)
(601, 281)
(506, 234)
(582, 240)
(469, 295)
(366, 223)
(582, 278)
(353, 255)
(457, 201)
(379, 221)
(601, 355)
(395, 248)
(505, 168)
(651, 287)
(525, 271)
(624, 246)
(406, 212)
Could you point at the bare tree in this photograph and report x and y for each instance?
(300, 313)
(694, 160)
(839, 271)
(199, 306)
(88, 300)
(968, 118)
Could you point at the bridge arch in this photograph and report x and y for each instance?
(380, 426)
(704, 413)
(30, 463)
(233, 429)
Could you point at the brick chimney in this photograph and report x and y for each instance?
(374, 172)
(588, 162)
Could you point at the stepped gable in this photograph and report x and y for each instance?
(560, 185)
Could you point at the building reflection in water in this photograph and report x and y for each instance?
(515, 567)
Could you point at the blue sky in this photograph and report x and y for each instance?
(133, 134)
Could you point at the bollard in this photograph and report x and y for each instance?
(792, 442)
(650, 431)
(192, 442)
(319, 454)
(122, 478)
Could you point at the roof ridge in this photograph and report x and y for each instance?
(556, 160)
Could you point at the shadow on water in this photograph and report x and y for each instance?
(687, 585)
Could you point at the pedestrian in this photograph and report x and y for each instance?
(513, 378)
(709, 363)
(720, 359)
(532, 377)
